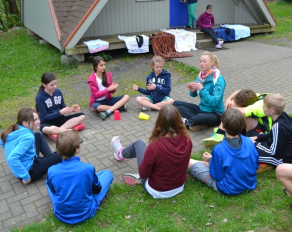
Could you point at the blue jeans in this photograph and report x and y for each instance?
(211, 33)
(109, 102)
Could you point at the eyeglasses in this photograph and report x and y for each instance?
(81, 141)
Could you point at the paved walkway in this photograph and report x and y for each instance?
(261, 67)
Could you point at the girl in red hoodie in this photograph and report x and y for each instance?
(163, 164)
(206, 21)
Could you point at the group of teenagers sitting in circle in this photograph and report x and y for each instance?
(253, 129)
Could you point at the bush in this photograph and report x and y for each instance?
(8, 20)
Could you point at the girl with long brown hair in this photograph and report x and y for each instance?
(22, 148)
(102, 87)
(163, 164)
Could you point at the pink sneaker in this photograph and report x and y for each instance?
(218, 46)
(117, 146)
(221, 42)
(131, 179)
(53, 137)
(79, 127)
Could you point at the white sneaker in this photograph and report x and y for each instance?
(143, 108)
(184, 120)
(221, 42)
(131, 179)
(117, 146)
(218, 46)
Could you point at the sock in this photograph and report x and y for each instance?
(120, 153)
(220, 131)
(108, 112)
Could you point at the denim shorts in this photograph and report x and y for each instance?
(106, 102)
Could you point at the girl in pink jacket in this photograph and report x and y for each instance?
(101, 87)
(206, 21)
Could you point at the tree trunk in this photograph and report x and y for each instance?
(13, 7)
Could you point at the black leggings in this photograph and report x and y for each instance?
(41, 165)
(195, 116)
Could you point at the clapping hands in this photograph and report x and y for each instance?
(113, 86)
(193, 86)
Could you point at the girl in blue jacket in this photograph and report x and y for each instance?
(22, 148)
(209, 86)
(158, 87)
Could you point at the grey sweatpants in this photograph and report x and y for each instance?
(201, 172)
(136, 150)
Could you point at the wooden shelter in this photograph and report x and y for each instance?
(67, 23)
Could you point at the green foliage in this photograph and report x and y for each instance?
(105, 56)
(284, 1)
(7, 20)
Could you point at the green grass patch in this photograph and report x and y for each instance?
(282, 12)
(187, 73)
(197, 208)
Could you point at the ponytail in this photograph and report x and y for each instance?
(24, 115)
(8, 130)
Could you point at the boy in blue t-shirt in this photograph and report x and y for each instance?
(73, 186)
(231, 169)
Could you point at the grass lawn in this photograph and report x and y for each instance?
(282, 11)
(197, 208)
(22, 62)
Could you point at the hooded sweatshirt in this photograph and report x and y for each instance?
(206, 20)
(234, 169)
(166, 162)
(163, 86)
(49, 106)
(20, 151)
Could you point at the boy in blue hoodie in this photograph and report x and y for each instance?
(231, 169)
(76, 191)
(158, 87)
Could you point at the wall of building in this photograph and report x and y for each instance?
(37, 17)
(127, 16)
